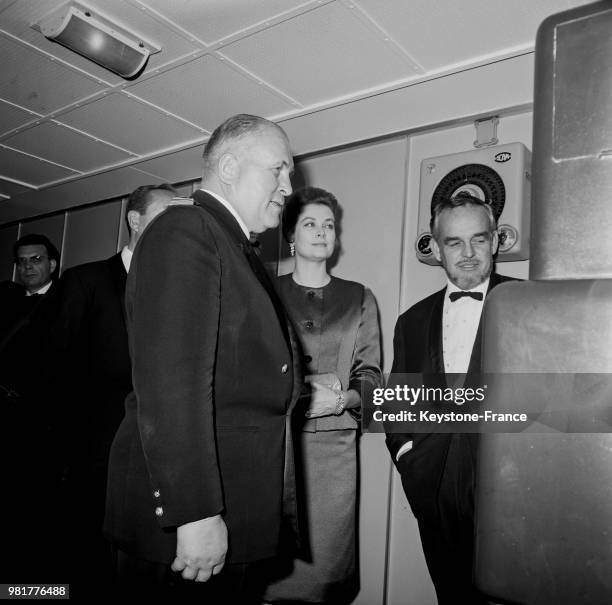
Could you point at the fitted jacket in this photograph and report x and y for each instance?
(205, 430)
(87, 336)
(417, 348)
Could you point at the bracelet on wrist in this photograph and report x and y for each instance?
(340, 403)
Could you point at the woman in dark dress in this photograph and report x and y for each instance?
(337, 322)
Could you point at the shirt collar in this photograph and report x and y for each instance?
(42, 290)
(230, 209)
(483, 287)
(126, 258)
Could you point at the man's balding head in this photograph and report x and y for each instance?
(247, 161)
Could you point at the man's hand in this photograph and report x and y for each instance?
(200, 548)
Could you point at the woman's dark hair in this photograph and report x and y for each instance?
(296, 202)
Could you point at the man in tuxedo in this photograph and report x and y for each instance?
(36, 266)
(440, 335)
(87, 338)
(25, 439)
(200, 475)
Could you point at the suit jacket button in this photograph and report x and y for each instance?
(284, 368)
(159, 511)
(307, 358)
(156, 493)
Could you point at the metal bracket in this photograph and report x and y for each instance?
(486, 132)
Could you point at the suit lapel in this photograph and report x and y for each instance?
(435, 335)
(119, 277)
(474, 366)
(225, 218)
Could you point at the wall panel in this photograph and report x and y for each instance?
(8, 236)
(91, 233)
(369, 183)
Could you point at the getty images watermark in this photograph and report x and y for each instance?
(490, 403)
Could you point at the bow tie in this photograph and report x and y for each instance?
(255, 244)
(457, 295)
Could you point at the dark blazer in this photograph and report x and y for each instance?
(23, 324)
(205, 428)
(88, 338)
(417, 348)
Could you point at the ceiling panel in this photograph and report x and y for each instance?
(65, 146)
(31, 80)
(284, 59)
(132, 17)
(29, 170)
(4, 4)
(10, 189)
(219, 18)
(16, 15)
(130, 124)
(11, 117)
(205, 91)
(332, 53)
(18, 18)
(99, 73)
(183, 165)
(440, 34)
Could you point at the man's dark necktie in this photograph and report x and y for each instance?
(253, 253)
(457, 295)
(255, 244)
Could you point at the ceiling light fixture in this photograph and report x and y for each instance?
(97, 38)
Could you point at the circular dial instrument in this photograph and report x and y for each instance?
(477, 180)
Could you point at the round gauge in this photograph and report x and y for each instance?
(423, 245)
(476, 179)
(508, 236)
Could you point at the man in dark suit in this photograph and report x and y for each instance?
(25, 440)
(200, 470)
(440, 335)
(87, 338)
(36, 266)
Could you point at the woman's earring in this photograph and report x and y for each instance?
(292, 248)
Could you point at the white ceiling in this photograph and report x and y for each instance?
(64, 118)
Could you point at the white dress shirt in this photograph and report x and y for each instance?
(460, 321)
(126, 258)
(42, 290)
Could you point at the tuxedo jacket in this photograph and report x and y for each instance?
(87, 339)
(23, 326)
(417, 348)
(205, 429)
(28, 461)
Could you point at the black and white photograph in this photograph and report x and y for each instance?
(306, 301)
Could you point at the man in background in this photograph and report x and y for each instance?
(200, 476)
(25, 440)
(90, 376)
(440, 335)
(36, 266)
